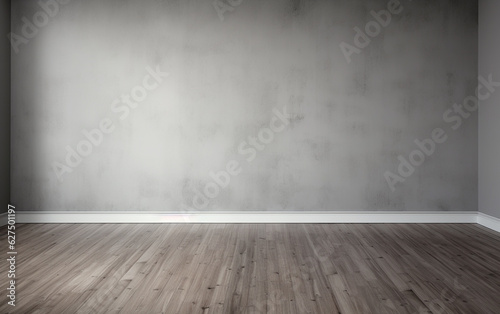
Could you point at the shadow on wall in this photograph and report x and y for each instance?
(139, 105)
(5, 105)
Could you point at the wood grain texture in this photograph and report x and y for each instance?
(255, 268)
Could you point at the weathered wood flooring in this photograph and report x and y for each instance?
(255, 268)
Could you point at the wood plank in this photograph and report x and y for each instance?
(255, 268)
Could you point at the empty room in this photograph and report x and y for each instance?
(250, 156)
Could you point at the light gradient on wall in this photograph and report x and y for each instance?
(349, 122)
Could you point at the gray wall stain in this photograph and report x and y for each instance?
(348, 122)
(5, 106)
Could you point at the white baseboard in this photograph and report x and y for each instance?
(488, 221)
(255, 217)
(246, 217)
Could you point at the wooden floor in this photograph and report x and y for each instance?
(255, 268)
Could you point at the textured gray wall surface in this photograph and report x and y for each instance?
(267, 105)
(489, 111)
(5, 106)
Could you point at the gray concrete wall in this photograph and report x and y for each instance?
(489, 112)
(359, 83)
(4, 106)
